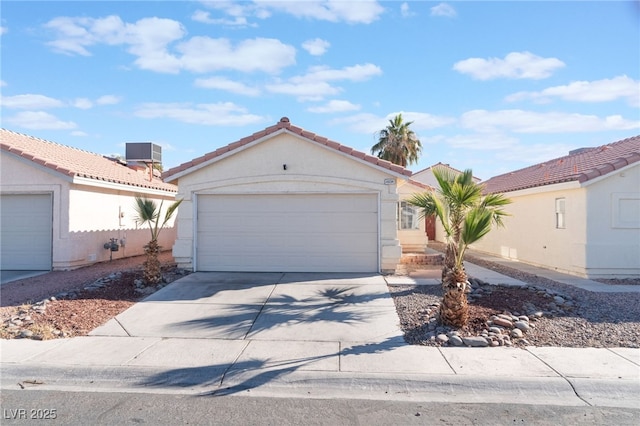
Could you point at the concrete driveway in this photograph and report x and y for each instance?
(265, 306)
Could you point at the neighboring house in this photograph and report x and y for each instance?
(285, 199)
(60, 205)
(578, 214)
(434, 229)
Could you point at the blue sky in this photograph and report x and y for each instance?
(492, 86)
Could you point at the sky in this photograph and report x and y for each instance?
(491, 86)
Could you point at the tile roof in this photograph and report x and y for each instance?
(75, 162)
(442, 165)
(581, 165)
(287, 126)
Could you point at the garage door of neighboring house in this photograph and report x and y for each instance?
(26, 230)
(287, 233)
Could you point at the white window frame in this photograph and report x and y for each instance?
(561, 215)
(408, 213)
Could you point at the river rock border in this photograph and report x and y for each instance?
(505, 329)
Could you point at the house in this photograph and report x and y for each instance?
(285, 199)
(579, 213)
(60, 206)
(434, 229)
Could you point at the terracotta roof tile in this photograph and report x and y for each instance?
(580, 166)
(76, 162)
(284, 123)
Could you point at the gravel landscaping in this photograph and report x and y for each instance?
(544, 313)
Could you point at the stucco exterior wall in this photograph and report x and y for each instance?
(310, 168)
(602, 234)
(98, 214)
(613, 224)
(530, 234)
(84, 217)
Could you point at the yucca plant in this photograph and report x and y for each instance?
(466, 216)
(149, 212)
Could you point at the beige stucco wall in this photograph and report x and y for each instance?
(613, 224)
(84, 217)
(591, 244)
(411, 240)
(258, 169)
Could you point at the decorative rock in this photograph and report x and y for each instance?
(26, 333)
(522, 325)
(516, 332)
(455, 340)
(502, 322)
(559, 300)
(496, 330)
(475, 341)
(442, 338)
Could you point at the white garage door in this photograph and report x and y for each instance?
(288, 233)
(25, 222)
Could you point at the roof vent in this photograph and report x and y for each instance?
(144, 151)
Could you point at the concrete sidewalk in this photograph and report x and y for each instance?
(307, 335)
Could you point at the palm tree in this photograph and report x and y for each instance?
(466, 215)
(149, 212)
(398, 143)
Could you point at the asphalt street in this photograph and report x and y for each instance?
(98, 408)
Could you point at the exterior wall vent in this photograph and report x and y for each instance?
(144, 151)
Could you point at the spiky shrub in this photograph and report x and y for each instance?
(149, 212)
(466, 216)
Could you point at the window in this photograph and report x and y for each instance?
(408, 216)
(560, 213)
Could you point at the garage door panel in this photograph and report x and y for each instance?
(26, 229)
(319, 232)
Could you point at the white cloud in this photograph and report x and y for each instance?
(316, 47)
(482, 142)
(30, 101)
(225, 84)
(205, 18)
(4, 30)
(314, 85)
(516, 65)
(82, 103)
(353, 12)
(404, 10)
(351, 73)
(3, 83)
(204, 54)
(621, 87)
(334, 106)
(520, 121)
(109, 100)
(39, 120)
(443, 9)
(216, 114)
(304, 90)
(152, 42)
(367, 123)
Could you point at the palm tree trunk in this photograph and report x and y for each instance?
(454, 309)
(152, 271)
